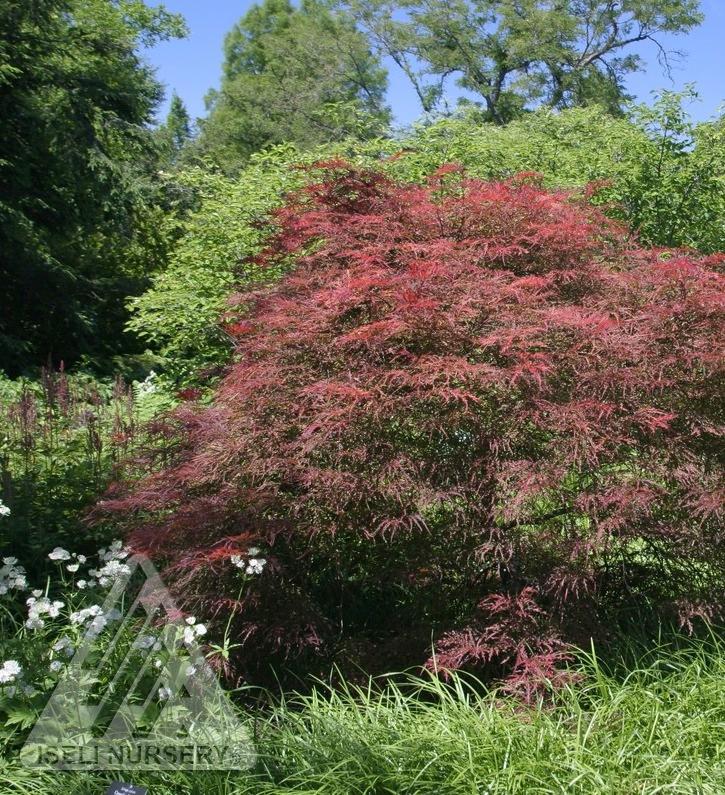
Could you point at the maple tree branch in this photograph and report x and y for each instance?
(537, 520)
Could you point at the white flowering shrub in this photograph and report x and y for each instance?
(42, 628)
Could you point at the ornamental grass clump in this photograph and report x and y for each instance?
(475, 415)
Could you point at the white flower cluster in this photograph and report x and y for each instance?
(38, 606)
(104, 576)
(64, 645)
(250, 564)
(10, 670)
(110, 572)
(193, 630)
(79, 560)
(12, 576)
(61, 555)
(114, 552)
(4, 510)
(98, 619)
(112, 568)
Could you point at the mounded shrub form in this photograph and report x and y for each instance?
(474, 418)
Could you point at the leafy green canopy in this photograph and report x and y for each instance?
(293, 74)
(77, 227)
(665, 177)
(514, 54)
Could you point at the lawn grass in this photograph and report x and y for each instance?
(657, 726)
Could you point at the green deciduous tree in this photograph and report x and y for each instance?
(513, 54)
(303, 75)
(677, 182)
(78, 224)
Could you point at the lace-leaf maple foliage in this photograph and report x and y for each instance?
(473, 409)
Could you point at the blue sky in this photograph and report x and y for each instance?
(193, 65)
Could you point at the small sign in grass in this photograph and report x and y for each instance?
(122, 788)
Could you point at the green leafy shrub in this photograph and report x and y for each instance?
(179, 315)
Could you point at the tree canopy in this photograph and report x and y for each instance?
(303, 75)
(661, 173)
(175, 133)
(76, 155)
(515, 54)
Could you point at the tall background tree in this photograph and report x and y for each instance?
(77, 159)
(175, 133)
(293, 74)
(514, 54)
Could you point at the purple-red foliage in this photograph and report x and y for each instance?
(512, 633)
(474, 407)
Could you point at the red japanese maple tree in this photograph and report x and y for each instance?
(470, 409)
